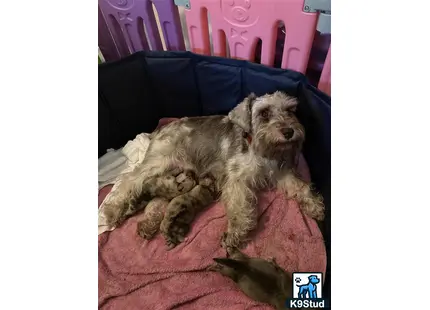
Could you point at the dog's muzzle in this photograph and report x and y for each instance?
(288, 133)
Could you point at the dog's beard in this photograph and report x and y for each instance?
(290, 157)
(285, 153)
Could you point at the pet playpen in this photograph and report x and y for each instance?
(295, 31)
(149, 75)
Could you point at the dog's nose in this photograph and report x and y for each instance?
(288, 133)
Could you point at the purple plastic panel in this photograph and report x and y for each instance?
(129, 20)
(170, 24)
(106, 43)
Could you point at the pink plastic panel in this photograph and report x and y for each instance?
(325, 79)
(134, 28)
(242, 22)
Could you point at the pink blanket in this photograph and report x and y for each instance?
(140, 274)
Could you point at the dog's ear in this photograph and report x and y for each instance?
(241, 114)
(290, 101)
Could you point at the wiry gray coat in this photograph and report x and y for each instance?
(195, 160)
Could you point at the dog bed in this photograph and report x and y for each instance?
(134, 93)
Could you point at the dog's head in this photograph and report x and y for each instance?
(271, 122)
(313, 279)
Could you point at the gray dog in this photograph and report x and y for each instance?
(194, 161)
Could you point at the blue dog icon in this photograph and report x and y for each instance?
(309, 289)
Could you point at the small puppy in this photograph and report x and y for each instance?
(182, 210)
(149, 224)
(259, 279)
(173, 219)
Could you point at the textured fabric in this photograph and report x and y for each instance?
(135, 92)
(140, 274)
(111, 165)
(135, 273)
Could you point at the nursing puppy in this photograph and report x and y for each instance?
(255, 147)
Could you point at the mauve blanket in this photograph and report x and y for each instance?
(139, 274)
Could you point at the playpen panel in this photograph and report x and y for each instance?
(198, 29)
(170, 24)
(105, 40)
(219, 42)
(246, 21)
(134, 27)
(127, 26)
(129, 18)
(325, 79)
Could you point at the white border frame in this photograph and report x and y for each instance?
(380, 155)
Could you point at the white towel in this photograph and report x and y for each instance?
(115, 165)
(111, 165)
(135, 151)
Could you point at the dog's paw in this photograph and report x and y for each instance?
(176, 235)
(320, 216)
(115, 214)
(234, 253)
(229, 242)
(134, 204)
(314, 207)
(208, 181)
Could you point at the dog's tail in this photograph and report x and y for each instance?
(237, 265)
(242, 267)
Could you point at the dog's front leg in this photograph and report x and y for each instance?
(310, 203)
(240, 203)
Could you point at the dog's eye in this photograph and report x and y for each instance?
(265, 113)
